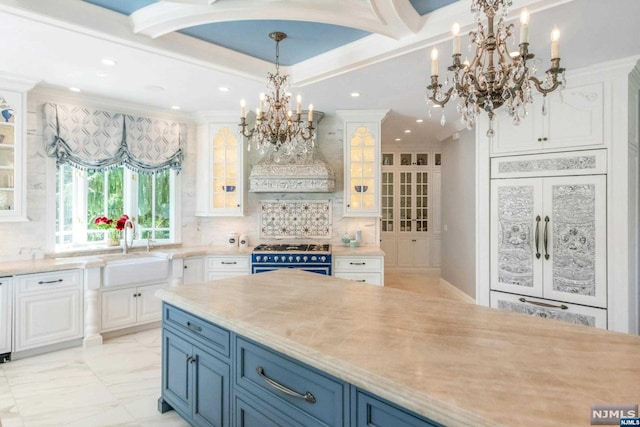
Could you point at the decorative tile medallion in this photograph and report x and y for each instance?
(295, 218)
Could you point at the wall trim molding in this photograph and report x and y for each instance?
(455, 290)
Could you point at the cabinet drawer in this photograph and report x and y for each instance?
(214, 337)
(253, 414)
(274, 378)
(43, 282)
(358, 264)
(591, 162)
(217, 275)
(370, 278)
(371, 411)
(220, 263)
(570, 313)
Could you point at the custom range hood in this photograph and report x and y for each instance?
(300, 170)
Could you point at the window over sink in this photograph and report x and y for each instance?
(81, 196)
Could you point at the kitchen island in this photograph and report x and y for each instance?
(452, 363)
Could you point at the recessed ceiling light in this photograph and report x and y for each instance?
(355, 94)
(175, 107)
(101, 74)
(154, 88)
(419, 121)
(110, 62)
(437, 106)
(407, 131)
(223, 89)
(74, 89)
(398, 139)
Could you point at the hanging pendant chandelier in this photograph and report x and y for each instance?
(494, 77)
(275, 126)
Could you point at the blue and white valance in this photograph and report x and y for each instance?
(96, 140)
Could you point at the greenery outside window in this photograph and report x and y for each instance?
(82, 196)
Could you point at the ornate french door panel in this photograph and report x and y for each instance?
(516, 248)
(576, 234)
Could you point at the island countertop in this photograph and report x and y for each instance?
(455, 363)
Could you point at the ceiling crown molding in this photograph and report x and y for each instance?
(164, 17)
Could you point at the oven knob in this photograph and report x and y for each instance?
(313, 258)
(305, 258)
(324, 258)
(290, 258)
(297, 259)
(258, 258)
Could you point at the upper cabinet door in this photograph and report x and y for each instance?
(571, 118)
(576, 235)
(220, 181)
(516, 239)
(362, 174)
(12, 156)
(363, 161)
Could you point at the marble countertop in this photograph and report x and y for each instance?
(100, 258)
(458, 364)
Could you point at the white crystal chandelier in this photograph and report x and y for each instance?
(494, 77)
(275, 127)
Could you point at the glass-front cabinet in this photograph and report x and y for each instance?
(13, 148)
(362, 186)
(220, 181)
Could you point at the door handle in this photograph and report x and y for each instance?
(546, 240)
(543, 304)
(538, 236)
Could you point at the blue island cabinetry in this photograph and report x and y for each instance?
(213, 377)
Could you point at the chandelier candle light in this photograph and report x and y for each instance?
(275, 127)
(494, 77)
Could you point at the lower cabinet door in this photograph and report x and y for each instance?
(211, 395)
(6, 315)
(48, 318)
(371, 411)
(149, 306)
(176, 378)
(119, 308)
(251, 414)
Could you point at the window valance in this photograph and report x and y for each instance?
(96, 140)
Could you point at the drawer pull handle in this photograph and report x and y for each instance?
(358, 263)
(194, 327)
(361, 280)
(307, 396)
(49, 281)
(228, 263)
(544, 304)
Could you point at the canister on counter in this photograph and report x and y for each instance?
(243, 240)
(232, 240)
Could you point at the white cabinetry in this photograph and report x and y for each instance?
(410, 224)
(549, 234)
(193, 270)
(573, 119)
(6, 315)
(365, 269)
(220, 183)
(122, 308)
(48, 308)
(13, 122)
(362, 133)
(223, 266)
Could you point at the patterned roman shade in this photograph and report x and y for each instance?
(95, 140)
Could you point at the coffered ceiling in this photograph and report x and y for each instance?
(182, 52)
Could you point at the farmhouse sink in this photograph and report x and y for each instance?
(134, 270)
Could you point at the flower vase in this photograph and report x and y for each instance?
(113, 239)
